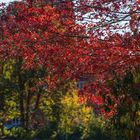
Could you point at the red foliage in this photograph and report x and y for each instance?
(39, 34)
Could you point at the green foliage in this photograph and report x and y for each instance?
(8, 95)
(68, 119)
(63, 116)
(8, 69)
(21, 133)
(73, 115)
(127, 92)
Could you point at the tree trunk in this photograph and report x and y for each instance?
(28, 107)
(21, 99)
(27, 111)
(22, 110)
(37, 100)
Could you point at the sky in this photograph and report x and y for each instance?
(6, 1)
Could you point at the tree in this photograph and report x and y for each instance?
(106, 15)
(36, 36)
(32, 31)
(127, 92)
(73, 115)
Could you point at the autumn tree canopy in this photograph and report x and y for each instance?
(72, 39)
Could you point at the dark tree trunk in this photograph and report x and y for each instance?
(22, 110)
(28, 107)
(37, 100)
(21, 99)
(2, 101)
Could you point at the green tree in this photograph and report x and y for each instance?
(127, 91)
(76, 118)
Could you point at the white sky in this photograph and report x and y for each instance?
(6, 1)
